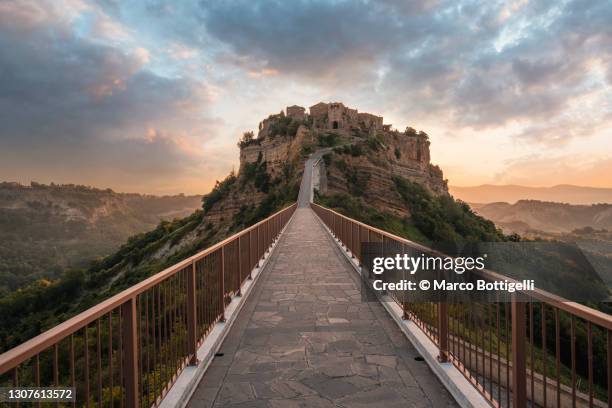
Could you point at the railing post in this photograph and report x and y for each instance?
(353, 243)
(333, 225)
(129, 333)
(192, 320)
(443, 331)
(239, 268)
(250, 256)
(222, 283)
(257, 244)
(519, 370)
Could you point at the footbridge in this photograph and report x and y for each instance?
(274, 317)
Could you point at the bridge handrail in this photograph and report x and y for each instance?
(593, 315)
(434, 321)
(223, 267)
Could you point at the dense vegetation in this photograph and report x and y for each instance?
(45, 303)
(219, 192)
(442, 218)
(280, 192)
(358, 209)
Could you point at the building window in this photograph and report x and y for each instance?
(335, 124)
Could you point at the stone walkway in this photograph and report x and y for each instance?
(305, 338)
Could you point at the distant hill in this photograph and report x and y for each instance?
(563, 193)
(587, 226)
(526, 216)
(46, 229)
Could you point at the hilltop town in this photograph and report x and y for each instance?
(368, 151)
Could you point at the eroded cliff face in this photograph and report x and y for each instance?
(367, 170)
(277, 151)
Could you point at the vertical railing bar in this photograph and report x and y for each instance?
(56, 368)
(558, 356)
(490, 321)
(250, 257)
(257, 245)
(171, 335)
(590, 361)
(507, 339)
(498, 352)
(482, 342)
(16, 381)
(121, 358)
(443, 331)
(130, 344)
(156, 336)
(609, 364)
(192, 314)
(173, 329)
(37, 374)
(222, 283)
(110, 357)
(573, 357)
(99, 357)
(465, 333)
(167, 347)
(239, 258)
(470, 344)
(72, 368)
(86, 351)
(544, 355)
(146, 376)
(531, 350)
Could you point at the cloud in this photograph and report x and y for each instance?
(475, 64)
(315, 40)
(89, 76)
(75, 104)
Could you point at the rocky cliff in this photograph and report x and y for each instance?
(366, 169)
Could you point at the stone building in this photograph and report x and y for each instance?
(335, 115)
(296, 112)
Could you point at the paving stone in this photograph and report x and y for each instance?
(330, 388)
(235, 392)
(305, 338)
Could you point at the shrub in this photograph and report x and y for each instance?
(327, 158)
(248, 138)
(257, 172)
(284, 126)
(306, 150)
(221, 190)
(328, 139)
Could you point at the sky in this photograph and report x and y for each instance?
(152, 96)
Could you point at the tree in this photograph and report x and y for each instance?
(410, 131)
(247, 139)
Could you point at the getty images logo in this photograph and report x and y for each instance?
(412, 264)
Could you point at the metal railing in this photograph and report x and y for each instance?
(543, 350)
(128, 350)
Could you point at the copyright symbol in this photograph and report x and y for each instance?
(424, 285)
